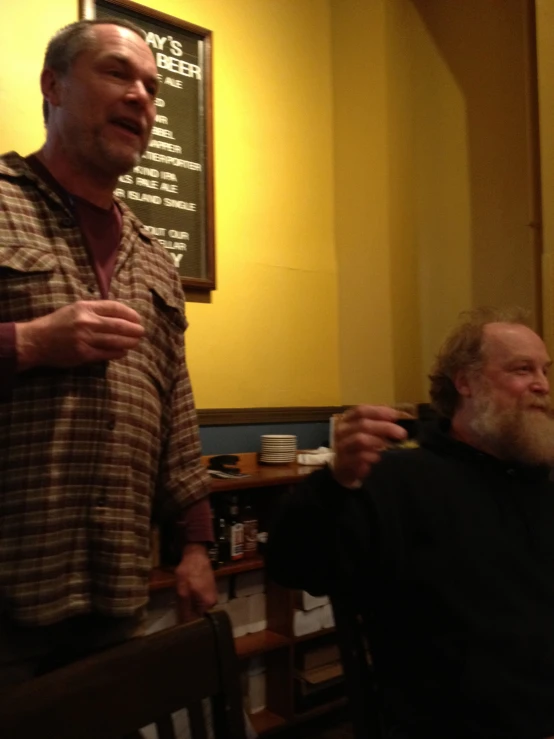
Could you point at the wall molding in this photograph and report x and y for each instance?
(248, 416)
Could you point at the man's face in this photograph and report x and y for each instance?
(509, 400)
(104, 107)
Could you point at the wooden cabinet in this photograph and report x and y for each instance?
(280, 649)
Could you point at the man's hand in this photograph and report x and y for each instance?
(79, 333)
(196, 588)
(361, 435)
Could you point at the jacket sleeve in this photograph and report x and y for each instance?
(319, 536)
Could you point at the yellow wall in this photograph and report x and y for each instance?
(362, 201)
(24, 31)
(269, 338)
(372, 174)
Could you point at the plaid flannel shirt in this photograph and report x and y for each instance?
(86, 452)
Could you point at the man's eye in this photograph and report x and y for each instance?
(116, 73)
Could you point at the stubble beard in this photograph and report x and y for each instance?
(100, 156)
(115, 159)
(522, 434)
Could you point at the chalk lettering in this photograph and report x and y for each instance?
(170, 203)
(173, 83)
(179, 66)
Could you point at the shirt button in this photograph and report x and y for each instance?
(101, 501)
(67, 222)
(111, 424)
(91, 290)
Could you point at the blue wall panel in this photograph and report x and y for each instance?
(236, 439)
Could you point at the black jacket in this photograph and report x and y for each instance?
(450, 555)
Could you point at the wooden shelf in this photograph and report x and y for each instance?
(241, 565)
(259, 643)
(322, 709)
(163, 578)
(275, 642)
(265, 721)
(260, 475)
(313, 635)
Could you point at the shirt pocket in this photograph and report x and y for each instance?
(167, 307)
(26, 282)
(160, 352)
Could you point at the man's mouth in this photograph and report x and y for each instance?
(546, 409)
(129, 125)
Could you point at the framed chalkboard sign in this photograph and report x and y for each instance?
(171, 190)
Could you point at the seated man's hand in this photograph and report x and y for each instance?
(360, 436)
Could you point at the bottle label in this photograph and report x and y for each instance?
(237, 541)
(250, 537)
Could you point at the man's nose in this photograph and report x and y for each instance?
(138, 92)
(541, 384)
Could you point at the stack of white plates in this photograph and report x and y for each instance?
(278, 448)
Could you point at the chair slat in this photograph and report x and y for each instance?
(361, 689)
(197, 722)
(165, 728)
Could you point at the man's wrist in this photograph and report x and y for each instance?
(199, 547)
(348, 482)
(25, 346)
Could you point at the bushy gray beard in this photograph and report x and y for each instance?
(521, 434)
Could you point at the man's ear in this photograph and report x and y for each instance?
(50, 86)
(463, 384)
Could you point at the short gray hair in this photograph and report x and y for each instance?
(67, 43)
(462, 350)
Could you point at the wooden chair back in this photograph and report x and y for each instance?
(113, 694)
(359, 676)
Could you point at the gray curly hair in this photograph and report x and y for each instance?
(462, 350)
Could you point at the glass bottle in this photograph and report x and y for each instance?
(250, 524)
(213, 551)
(223, 545)
(236, 531)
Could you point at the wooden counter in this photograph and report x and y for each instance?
(261, 475)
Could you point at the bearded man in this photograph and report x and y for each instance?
(447, 549)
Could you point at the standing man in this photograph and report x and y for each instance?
(447, 550)
(98, 429)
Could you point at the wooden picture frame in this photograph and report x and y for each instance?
(171, 191)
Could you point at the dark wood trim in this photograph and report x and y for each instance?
(248, 416)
